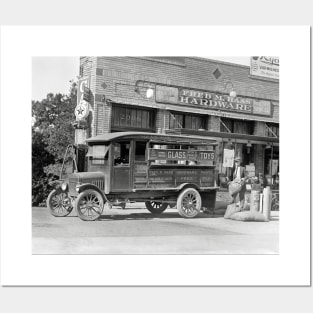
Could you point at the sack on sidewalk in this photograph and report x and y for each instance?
(231, 209)
(248, 216)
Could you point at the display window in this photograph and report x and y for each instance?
(126, 118)
(186, 121)
(236, 126)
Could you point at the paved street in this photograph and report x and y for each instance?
(136, 231)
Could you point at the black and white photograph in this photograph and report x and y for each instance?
(155, 155)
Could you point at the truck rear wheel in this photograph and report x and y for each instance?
(189, 203)
(59, 203)
(89, 205)
(156, 207)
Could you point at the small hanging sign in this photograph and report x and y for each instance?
(82, 110)
(228, 159)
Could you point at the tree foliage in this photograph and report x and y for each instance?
(52, 132)
(53, 118)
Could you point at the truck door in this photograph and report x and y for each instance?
(140, 178)
(121, 166)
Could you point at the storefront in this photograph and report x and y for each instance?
(188, 95)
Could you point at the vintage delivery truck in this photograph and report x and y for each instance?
(159, 169)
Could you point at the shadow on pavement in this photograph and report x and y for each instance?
(148, 216)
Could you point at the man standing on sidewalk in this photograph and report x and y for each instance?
(240, 175)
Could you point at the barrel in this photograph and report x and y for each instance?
(255, 200)
(267, 202)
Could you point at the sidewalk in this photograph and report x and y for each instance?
(223, 199)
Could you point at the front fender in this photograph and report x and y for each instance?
(187, 185)
(84, 187)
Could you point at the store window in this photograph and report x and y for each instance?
(236, 126)
(187, 121)
(272, 130)
(126, 118)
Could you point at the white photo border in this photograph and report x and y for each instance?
(20, 268)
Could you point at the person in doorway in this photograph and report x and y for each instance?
(239, 174)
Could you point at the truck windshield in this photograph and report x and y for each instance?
(98, 153)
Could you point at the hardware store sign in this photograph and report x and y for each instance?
(215, 101)
(209, 100)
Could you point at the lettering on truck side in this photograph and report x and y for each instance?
(176, 155)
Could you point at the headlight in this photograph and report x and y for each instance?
(77, 188)
(64, 186)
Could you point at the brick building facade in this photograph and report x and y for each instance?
(187, 95)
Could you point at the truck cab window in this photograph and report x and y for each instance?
(121, 153)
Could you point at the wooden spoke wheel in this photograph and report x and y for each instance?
(156, 207)
(89, 205)
(189, 203)
(59, 203)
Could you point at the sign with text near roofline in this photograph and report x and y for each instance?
(267, 67)
(209, 100)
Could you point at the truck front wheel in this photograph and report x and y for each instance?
(89, 205)
(59, 203)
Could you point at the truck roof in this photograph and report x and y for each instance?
(153, 137)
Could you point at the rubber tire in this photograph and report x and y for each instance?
(64, 210)
(183, 211)
(156, 210)
(81, 199)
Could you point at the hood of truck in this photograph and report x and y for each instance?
(95, 178)
(86, 176)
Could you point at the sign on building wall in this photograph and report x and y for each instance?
(166, 94)
(228, 158)
(215, 101)
(262, 107)
(209, 100)
(82, 107)
(265, 67)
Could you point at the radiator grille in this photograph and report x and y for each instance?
(98, 183)
(72, 187)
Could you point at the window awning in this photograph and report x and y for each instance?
(180, 108)
(221, 136)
